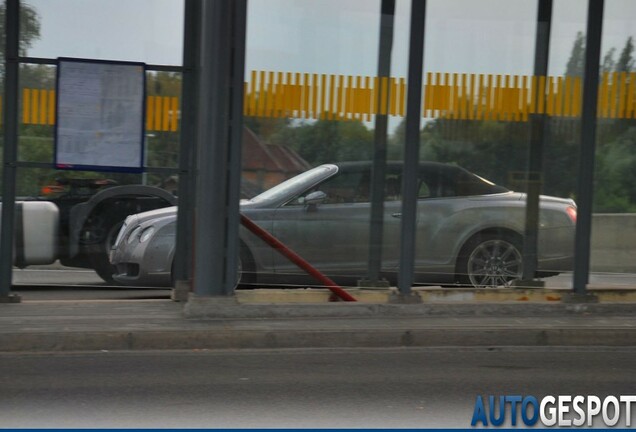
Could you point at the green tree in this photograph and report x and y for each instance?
(493, 149)
(615, 189)
(616, 153)
(328, 141)
(608, 64)
(625, 62)
(29, 27)
(576, 62)
(37, 76)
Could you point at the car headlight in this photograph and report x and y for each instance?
(146, 234)
(133, 234)
(120, 235)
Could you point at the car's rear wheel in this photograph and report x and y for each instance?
(490, 261)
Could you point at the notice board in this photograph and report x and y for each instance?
(100, 115)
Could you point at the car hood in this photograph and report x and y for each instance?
(169, 212)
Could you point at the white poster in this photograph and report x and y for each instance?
(100, 115)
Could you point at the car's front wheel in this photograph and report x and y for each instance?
(490, 261)
(98, 252)
(245, 269)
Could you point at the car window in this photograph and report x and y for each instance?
(434, 184)
(344, 187)
(423, 191)
(443, 182)
(392, 188)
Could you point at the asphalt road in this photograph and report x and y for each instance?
(56, 282)
(371, 388)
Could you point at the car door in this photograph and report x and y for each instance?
(333, 235)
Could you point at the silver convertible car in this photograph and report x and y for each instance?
(469, 230)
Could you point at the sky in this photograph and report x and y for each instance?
(331, 36)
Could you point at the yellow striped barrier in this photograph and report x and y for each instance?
(38, 108)
(347, 97)
(445, 95)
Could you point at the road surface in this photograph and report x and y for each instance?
(371, 388)
(56, 282)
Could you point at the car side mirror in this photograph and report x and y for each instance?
(313, 199)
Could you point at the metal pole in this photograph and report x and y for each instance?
(11, 69)
(588, 146)
(213, 127)
(412, 147)
(236, 140)
(187, 160)
(538, 133)
(210, 208)
(378, 172)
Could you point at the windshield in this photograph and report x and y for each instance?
(296, 184)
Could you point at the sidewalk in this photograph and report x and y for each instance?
(71, 325)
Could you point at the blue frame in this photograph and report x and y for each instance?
(103, 168)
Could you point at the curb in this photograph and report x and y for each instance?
(433, 295)
(373, 338)
(210, 308)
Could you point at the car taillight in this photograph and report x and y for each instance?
(571, 211)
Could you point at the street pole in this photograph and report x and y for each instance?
(187, 153)
(538, 134)
(11, 70)
(588, 148)
(378, 173)
(217, 194)
(239, 33)
(411, 153)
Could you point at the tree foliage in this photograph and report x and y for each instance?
(576, 62)
(328, 141)
(625, 62)
(29, 27)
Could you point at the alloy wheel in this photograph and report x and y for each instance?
(494, 263)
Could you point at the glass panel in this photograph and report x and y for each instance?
(149, 31)
(36, 115)
(309, 86)
(163, 126)
(471, 119)
(313, 96)
(83, 242)
(2, 103)
(79, 221)
(88, 207)
(614, 218)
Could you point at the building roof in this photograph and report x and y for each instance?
(259, 156)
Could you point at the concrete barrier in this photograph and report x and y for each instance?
(613, 240)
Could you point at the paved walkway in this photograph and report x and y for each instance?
(40, 326)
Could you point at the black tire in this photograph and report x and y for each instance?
(490, 261)
(246, 277)
(98, 253)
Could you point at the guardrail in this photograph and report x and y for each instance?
(613, 243)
